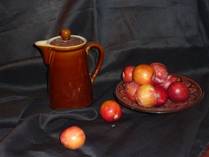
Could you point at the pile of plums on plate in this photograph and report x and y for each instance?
(151, 85)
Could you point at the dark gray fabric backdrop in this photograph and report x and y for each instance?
(175, 32)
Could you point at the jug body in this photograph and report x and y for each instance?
(69, 81)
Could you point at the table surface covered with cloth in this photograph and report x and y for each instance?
(173, 32)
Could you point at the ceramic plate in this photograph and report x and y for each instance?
(196, 94)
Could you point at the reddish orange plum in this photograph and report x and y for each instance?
(145, 95)
(110, 111)
(178, 92)
(73, 137)
(127, 74)
(143, 73)
(170, 79)
(160, 69)
(161, 95)
(131, 89)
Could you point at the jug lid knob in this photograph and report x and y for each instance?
(67, 40)
(65, 34)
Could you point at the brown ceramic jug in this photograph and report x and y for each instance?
(69, 81)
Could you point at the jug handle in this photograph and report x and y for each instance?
(100, 59)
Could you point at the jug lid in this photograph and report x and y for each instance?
(67, 40)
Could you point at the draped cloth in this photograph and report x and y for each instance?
(133, 32)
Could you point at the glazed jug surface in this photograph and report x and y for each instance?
(69, 81)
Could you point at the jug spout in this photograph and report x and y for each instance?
(45, 49)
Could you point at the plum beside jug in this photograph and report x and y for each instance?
(69, 81)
